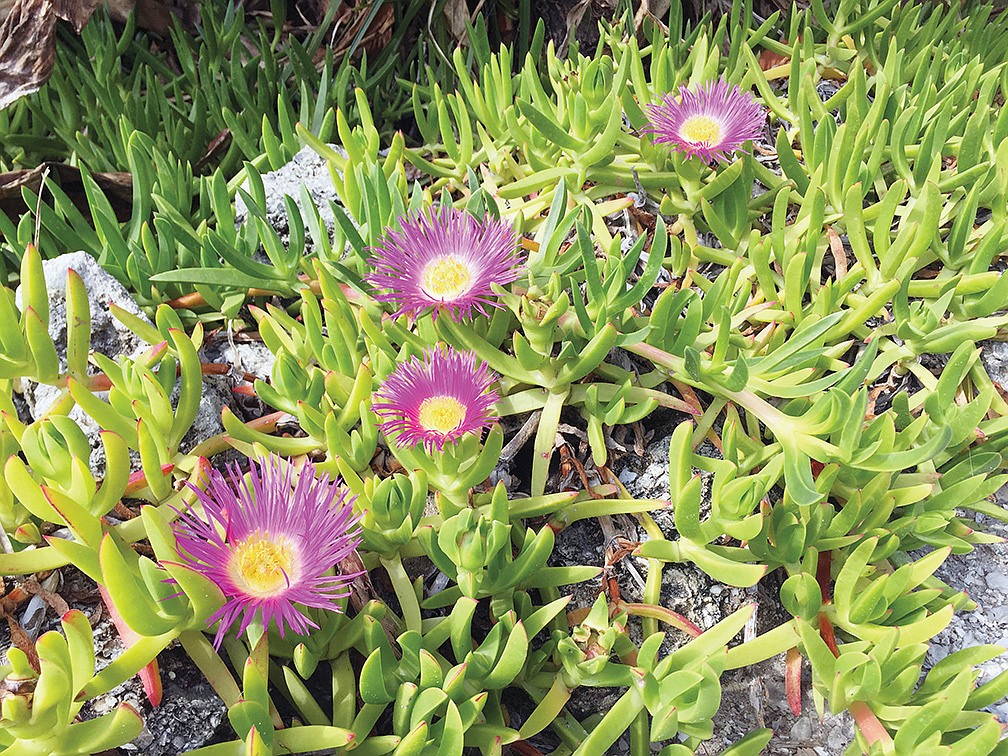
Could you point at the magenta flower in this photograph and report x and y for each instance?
(437, 400)
(711, 122)
(269, 542)
(444, 260)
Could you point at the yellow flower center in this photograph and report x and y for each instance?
(262, 567)
(701, 128)
(446, 277)
(441, 413)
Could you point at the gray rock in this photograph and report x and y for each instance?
(802, 729)
(108, 335)
(839, 735)
(250, 357)
(997, 581)
(995, 359)
(755, 697)
(190, 713)
(984, 574)
(307, 169)
(627, 477)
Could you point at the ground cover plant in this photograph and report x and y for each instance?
(780, 239)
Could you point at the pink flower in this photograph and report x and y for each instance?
(268, 543)
(711, 122)
(437, 400)
(445, 260)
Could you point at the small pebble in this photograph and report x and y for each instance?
(801, 730)
(837, 739)
(997, 581)
(655, 472)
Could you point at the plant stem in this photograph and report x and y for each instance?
(404, 592)
(211, 665)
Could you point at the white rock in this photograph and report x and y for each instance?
(308, 169)
(108, 335)
(113, 339)
(627, 476)
(801, 730)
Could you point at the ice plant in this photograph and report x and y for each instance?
(444, 260)
(269, 542)
(436, 400)
(710, 122)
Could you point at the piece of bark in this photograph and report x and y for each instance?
(118, 188)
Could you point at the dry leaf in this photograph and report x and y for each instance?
(349, 24)
(26, 49)
(77, 12)
(218, 145)
(838, 252)
(53, 600)
(457, 15)
(28, 35)
(20, 639)
(574, 16)
(769, 59)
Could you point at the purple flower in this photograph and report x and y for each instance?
(445, 260)
(437, 400)
(268, 543)
(711, 122)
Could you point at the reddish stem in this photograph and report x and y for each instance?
(792, 680)
(824, 580)
(673, 619)
(823, 575)
(149, 675)
(869, 724)
(194, 299)
(826, 631)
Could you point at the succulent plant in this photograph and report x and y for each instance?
(539, 268)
